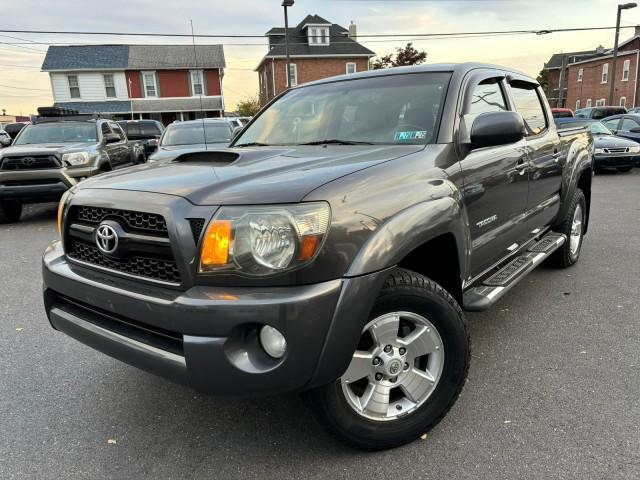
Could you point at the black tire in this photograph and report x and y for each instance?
(409, 292)
(10, 212)
(624, 169)
(563, 257)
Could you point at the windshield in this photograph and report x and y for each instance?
(392, 110)
(141, 129)
(598, 128)
(62, 132)
(192, 134)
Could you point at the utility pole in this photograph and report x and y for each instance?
(560, 103)
(612, 74)
(286, 4)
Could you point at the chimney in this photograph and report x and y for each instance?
(599, 49)
(353, 30)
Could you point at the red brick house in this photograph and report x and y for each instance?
(317, 49)
(162, 82)
(587, 76)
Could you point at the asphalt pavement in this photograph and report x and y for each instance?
(553, 391)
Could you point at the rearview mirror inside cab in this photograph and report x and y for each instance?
(496, 128)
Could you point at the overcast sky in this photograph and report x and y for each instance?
(23, 87)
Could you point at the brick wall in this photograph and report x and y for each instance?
(592, 87)
(213, 82)
(309, 69)
(173, 83)
(133, 83)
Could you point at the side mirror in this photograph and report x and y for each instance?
(236, 131)
(111, 138)
(5, 142)
(635, 130)
(496, 128)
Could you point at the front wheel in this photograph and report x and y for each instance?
(407, 371)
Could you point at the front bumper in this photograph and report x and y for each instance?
(207, 336)
(48, 185)
(615, 161)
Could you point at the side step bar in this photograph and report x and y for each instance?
(498, 283)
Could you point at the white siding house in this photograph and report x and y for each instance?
(92, 86)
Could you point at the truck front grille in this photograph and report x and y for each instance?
(144, 251)
(30, 162)
(139, 221)
(154, 268)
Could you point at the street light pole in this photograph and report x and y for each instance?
(614, 61)
(286, 4)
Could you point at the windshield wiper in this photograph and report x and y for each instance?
(252, 144)
(335, 141)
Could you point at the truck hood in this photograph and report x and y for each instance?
(44, 148)
(249, 175)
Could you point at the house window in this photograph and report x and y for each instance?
(623, 101)
(625, 70)
(601, 102)
(293, 75)
(197, 85)
(580, 74)
(150, 87)
(588, 103)
(605, 73)
(109, 85)
(578, 104)
(74, 87)
(319, 36)
(351, 67)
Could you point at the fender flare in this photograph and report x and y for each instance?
(408, 230)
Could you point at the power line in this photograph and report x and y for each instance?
(25, 88)
(204, 35)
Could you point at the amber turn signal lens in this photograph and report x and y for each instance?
(308, 247)
(60, 212)
(215, 246)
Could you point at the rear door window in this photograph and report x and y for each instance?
(528, 104)
(628, 124)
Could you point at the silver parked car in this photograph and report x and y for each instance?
(193, 136)
(5, 139)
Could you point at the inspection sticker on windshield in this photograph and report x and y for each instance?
(407, 136)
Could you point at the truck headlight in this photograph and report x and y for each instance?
(634, 149)
(76, 158)
(599, 151)
(264, 240)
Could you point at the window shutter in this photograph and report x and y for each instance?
(205, 91)
(189, 83)
(143, 89)
(157, 78)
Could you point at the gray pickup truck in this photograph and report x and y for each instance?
(333, 247)
(54, 154)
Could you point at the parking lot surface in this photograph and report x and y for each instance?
(553, 390)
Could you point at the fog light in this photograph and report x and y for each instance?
(272, 341)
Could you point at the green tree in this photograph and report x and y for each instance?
(403, 56)
(543, 79)
(249, 106)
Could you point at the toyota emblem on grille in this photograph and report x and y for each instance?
(106, 239)
(28, 161)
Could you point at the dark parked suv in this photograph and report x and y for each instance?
(146, 132)
(332, 248)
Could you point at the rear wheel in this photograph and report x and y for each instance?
(10, 211)
(407, 371)
(572, 227)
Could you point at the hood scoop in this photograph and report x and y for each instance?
(210, 157)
